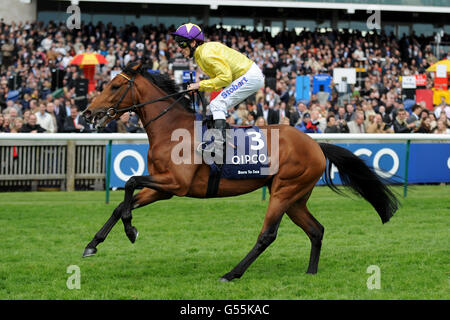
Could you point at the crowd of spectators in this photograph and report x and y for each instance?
(38, 84)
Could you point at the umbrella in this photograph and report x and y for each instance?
(88, 58)
(433, 67)
(88, 61)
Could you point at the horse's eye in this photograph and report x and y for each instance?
(115, 87)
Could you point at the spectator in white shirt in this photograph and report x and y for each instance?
(47, 42)
(442, 107)
(44, 119)
(51, 111)
(66, 60)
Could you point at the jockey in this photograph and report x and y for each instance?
(227, 68)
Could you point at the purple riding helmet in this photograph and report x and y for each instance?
(186, 32)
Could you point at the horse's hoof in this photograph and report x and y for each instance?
(227, 278)
(132, 234)
(89, 252)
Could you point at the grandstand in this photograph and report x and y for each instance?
(397, 16)
(299, 44)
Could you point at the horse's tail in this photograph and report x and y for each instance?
(362, 180)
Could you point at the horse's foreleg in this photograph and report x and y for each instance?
(101, 235)
(267, 235)
(143, 198)
(155, 184)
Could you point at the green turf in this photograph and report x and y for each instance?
(185, 245)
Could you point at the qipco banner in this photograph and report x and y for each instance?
(388, 160)
(428, 162)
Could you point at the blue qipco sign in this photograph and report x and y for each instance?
(127, 160)
(428, 162)
(388, 160)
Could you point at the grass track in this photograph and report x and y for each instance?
(185, 245)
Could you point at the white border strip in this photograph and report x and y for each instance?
(294, 4)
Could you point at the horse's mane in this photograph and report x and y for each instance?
(162, 81)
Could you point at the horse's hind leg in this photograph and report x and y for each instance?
(301, 216)
(267, 235)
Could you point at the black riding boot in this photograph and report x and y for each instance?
(219, 144)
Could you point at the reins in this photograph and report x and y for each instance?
(113, 111)
(165, 110)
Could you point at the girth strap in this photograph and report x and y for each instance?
(213, 182)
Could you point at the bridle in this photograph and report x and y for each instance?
(111, 112)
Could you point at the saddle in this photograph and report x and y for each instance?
(245, 154)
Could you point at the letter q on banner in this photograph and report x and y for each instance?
(127, 160)
(121, 156)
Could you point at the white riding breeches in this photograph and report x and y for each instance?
(237, 91)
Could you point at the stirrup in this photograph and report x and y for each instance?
(209, 148)
(206, 147)
(203, 146)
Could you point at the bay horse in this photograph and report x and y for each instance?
(301, 163)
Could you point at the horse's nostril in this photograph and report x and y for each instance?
(87, 114)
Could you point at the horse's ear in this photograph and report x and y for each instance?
(137, 67)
